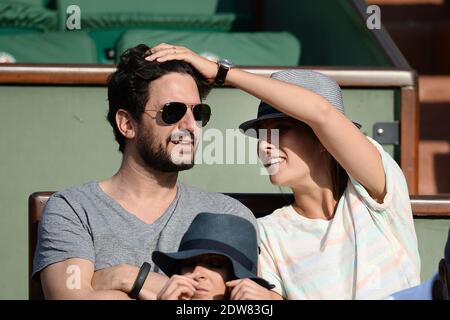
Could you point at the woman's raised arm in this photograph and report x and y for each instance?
(343, 140)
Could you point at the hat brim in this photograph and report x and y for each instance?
(250, 127)
(168, 263)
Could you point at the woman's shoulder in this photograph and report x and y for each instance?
(278, 216)
(396, 188)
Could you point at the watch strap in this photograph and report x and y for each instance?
(221, 75)
(140, 280)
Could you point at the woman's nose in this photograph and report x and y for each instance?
(266, 148)
(269, 137)
(264, 144)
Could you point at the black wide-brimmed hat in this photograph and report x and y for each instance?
(308, 79)
(224, 234)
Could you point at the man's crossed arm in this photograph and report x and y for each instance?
(75, 279)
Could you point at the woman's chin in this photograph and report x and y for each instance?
(285, 178)
(277, 180)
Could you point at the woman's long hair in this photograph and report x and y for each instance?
(339, 177)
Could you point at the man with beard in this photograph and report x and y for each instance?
(95, 240)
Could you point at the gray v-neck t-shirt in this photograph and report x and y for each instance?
(84, 222)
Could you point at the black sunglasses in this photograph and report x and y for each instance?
(172, 112)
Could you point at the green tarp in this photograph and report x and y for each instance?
(250, 49)
(151, 7)
(107, 20)
(105, 29)
(216, 22)
(38, 3)
(23, 16)
(52, 47)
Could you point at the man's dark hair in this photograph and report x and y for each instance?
(128, 87)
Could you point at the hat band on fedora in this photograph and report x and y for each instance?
(219, 246)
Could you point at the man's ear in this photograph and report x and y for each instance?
(126, 124)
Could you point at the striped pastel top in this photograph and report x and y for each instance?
(367, 251)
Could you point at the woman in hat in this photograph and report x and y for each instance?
(216, 255)
(349, 233)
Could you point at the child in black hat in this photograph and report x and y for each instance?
(217, 259)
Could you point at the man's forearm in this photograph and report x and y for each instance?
(122, 278)
(152, 286)
(58, 284)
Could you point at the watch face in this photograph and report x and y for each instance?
(226, 63)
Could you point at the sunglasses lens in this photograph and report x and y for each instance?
(173, 112)
(202, 112)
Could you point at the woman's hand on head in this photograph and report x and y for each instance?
(178, 287)
(165, 52)
(247, 289)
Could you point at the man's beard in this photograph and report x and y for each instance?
(156, 157)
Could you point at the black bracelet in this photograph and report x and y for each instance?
(140, 279)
